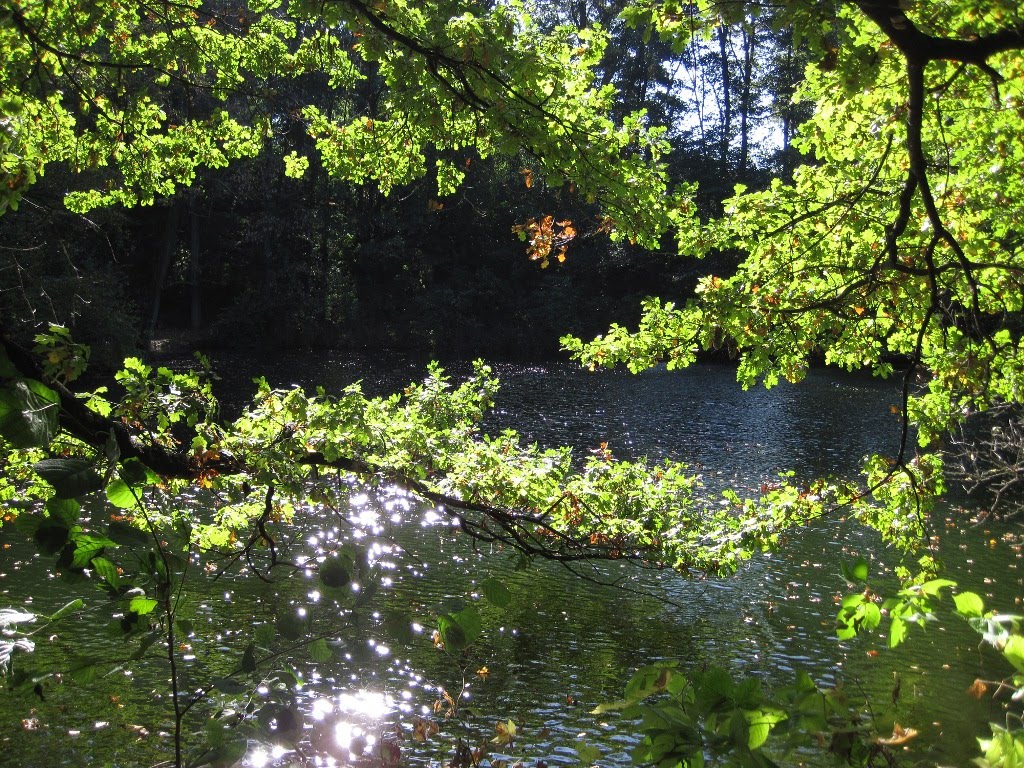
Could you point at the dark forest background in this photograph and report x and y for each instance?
(249, 258)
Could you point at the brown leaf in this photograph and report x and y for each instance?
(900, 736)
(423, 729)
(978, 689)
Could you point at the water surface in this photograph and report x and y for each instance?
(566, 643)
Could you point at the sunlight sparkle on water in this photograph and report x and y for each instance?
(321, 708)
(352, 737)
(261, 758)
(370, 704)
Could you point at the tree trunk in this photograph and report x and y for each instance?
(165, 251)
(195, 267)
(723, 49)
(749, 41)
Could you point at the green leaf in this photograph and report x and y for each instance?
(70, 477)
(934, 586)
(135, 473)
(459, 630)
(398, 627)
(249, 659)
(969, 604)
(7, 369)
(588, 754)
(121, 495)
(148, 640)
(857, 571)
(28, 414)
(872, 616)
(64, 610)
(713, 686)
(760, 723)
(290, 625)
(126, 534)
(88, 547)
(264, 635)
(650, 680)
(228, 685)
(1014, 651)
(65, 510)
(143, 605)
(84, 669)
(897, 632)
(496, 592)
(51, 535)
(335, 572)
(319, 651)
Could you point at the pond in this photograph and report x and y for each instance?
(565, 643)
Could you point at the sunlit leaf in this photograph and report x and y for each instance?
(897, 632)
(969, 604)
(142, 605)
(759, 725)
(857, 571)
(106, 570)
(506, 733)
(1014, 651)
(121, 495)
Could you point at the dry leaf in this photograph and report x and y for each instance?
(506, 733)
(978, 689)
(900, 736)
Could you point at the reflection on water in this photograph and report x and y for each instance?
(566, 643)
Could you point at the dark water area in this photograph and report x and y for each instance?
(565, 644)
